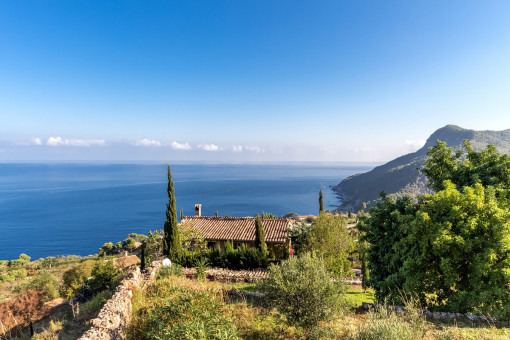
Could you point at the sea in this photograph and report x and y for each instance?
(53, 209)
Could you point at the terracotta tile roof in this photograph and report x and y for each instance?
(240, 229)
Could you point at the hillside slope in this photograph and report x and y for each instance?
(400, 176)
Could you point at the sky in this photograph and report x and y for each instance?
(242, 81)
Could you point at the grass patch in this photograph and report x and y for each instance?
(355, 296)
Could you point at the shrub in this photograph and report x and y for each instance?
(301, 289)
(174, 269)
(106, 249)
(90, 308)
(190, 315)
(104, 277)
(21, 310)
(387, 324)
(129, 243)
(45, 283)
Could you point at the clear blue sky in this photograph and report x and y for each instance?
(247, 80)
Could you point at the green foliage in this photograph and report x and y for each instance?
(201, 266)
(452, 248)
(175, 269)
(466, 167)
(329, 238)
(192, 240)
(461, 240)
(260, 236)
(74, 279)
(365, 273)
(106, 249)
(299, 236)
(385, 229)
(90, 308)
(22, 261)
(301, 289)
(104, 277)
(171, 239)
(321, 202)
(129, 243)
(386, 324)
(138, 237)
(182, 314)
(142, 258)
(46, 283)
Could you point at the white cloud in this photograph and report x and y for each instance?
(237, 148)
(209, 147)
(181, 146)
(36, 141)
(148, 142)
(416, 144)
(255, 149)
(58, 141)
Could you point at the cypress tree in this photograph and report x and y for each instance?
(216, 213)
(260, 236)
(142, 260)
(321, 202)
(182, 214)
(171, 240)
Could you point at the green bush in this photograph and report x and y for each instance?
(190, 315)
(174, 269)
(45, 283)
(385, 324)
(301, 289)
(129, 243)
(90, 308)
(104, 277)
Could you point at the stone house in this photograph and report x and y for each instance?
(240, 230)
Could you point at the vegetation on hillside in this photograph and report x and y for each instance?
(451, 249)
(401, 176)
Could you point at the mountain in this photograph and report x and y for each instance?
(400, 176)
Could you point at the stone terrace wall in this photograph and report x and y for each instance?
(115, 315)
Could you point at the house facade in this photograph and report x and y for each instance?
(240, 230)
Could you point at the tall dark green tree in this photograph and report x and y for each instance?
(142, 258)
(171, 240)
(321, 202)
(260, 235)
(182, 214)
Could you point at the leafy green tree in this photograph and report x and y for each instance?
(461, 242)
(385, 231)
(142, 257)
(46, 283)
(260, 236)
(74, 279)
(106, 249)
(104, 277)
(301, 289)
(171, 241)
(129, 243)
(330, 239)
(321, 202)
(466, 167)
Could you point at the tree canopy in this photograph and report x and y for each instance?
(451, 249)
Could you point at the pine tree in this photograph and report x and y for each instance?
(260, 236)
(321, 202)
(171, 240)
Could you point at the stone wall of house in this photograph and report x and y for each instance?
(115, 315)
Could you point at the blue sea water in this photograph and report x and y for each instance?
(60, 209)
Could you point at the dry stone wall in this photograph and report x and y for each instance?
(115, 315)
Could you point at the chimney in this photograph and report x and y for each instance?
(198, 210)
